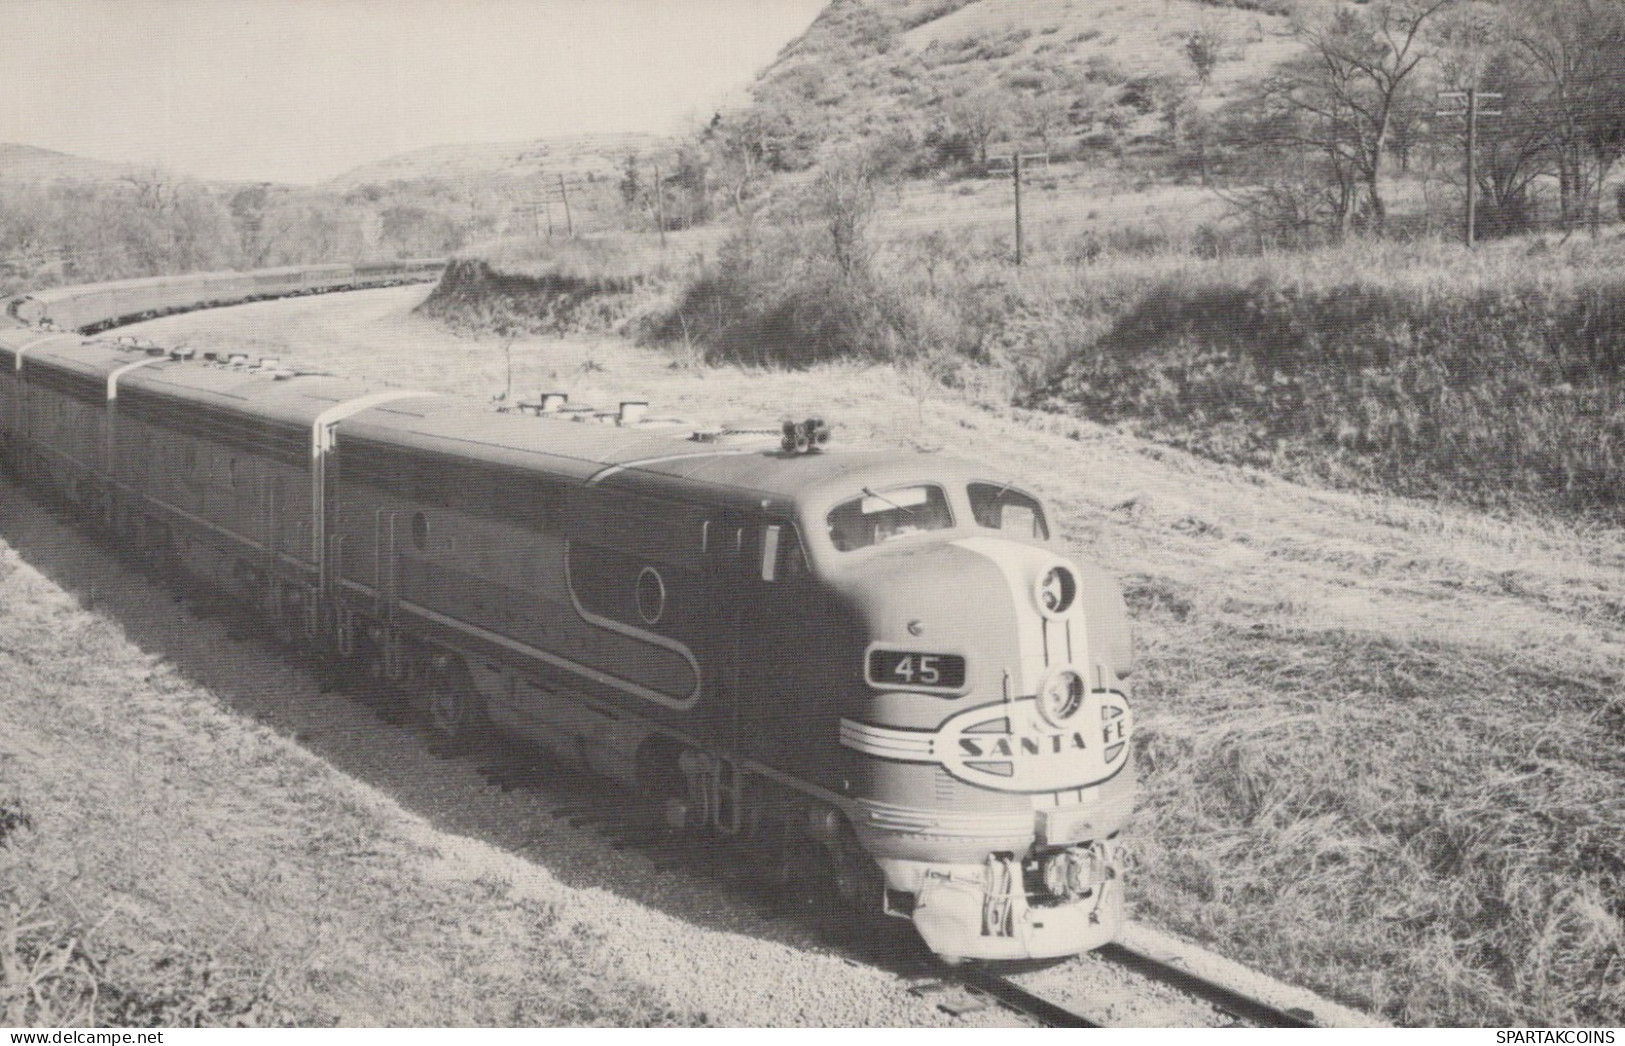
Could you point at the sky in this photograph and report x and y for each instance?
(302, 90)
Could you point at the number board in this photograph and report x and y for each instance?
(915, 669)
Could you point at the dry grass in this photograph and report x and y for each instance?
(1435, 833)
(1492, 377)
(167, 863)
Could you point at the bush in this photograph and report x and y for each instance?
(783, 301)
(581, 286)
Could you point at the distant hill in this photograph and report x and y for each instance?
(20, 164)
(574, 156)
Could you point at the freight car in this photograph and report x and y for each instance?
(872, 667)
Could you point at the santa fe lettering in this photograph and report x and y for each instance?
(1044, 745)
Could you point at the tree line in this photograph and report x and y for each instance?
(1380, 88)
(151, 223)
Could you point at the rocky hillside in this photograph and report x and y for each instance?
(961, 77)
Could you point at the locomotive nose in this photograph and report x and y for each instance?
(1024, 620)
(938, 601)
(997, 741)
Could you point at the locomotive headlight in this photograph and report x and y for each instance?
(1060, 695)
(1056, 590)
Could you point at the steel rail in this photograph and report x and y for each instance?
(1231, 1001)
(1015, 997)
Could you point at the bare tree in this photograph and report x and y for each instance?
(248, 211)
(1576, 48)
(1203, 47)
(979, 114)
(843, 200)
(1045, 116)
(746, 147)
(1343, 98)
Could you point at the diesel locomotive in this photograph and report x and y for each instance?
(872, 666)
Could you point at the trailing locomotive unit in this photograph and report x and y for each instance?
(874, 666)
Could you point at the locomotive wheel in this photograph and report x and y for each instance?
(456, 710)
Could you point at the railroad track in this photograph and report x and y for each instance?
(1228, 1001)
(971, 988)
(1254, 1011)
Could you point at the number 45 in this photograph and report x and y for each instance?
(928, 671)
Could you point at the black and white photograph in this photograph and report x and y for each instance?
(875, 514)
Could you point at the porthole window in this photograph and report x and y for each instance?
(651, 595)
(420, 532)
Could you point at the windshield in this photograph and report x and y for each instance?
(1002, 507)
(880, 515)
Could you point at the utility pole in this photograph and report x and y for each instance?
(1470, 110)
(564, 194)
(995, 165)
(660, 206)
(1015, 170)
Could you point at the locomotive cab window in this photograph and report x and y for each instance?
(880, 515)
(1002, 507)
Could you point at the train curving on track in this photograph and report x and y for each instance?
(873, 667)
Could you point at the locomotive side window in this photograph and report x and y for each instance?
(1002, 507)
(879, 516)
(782, 555)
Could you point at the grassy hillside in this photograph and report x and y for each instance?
(1491, 378)
(26, 164)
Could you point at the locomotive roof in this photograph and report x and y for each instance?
(72, 352)
(641, 459)
(295, 400)
(458, 428)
